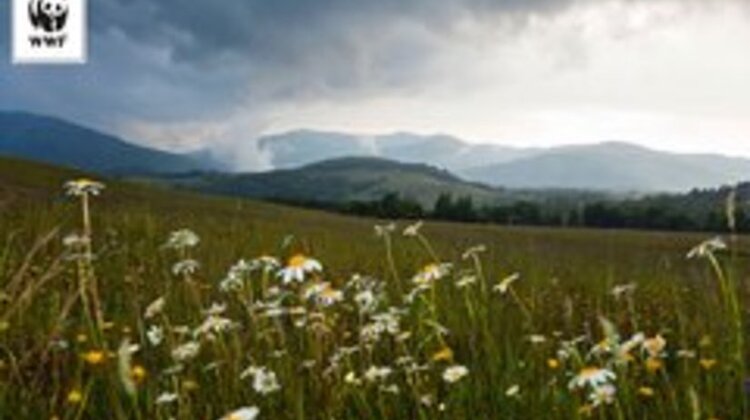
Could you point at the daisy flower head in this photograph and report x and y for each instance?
(366, 301)
(593, 377)
(166, 398)
(474, 252)
(74, 240)
(453, 374)
(707, 248)
(413, 230)
(182, 239)
(265, 382)
(654, 346)
(264, 379)
(244, 413)
(265, 263)
(186, 351)
(83, 186)
(297, 267)
(430, 273)
(602, 395)
(466, 281)
(622, 290)
(513, 391)
(212, 325)
(155, 335)
(154, 308)
(329, 296)
(384, 230)
(505, 283)
(185, 267)
(377, 373)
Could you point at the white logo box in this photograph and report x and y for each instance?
(48, 31)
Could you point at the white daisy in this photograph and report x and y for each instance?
(297, 267)
(592, 376)
(265, 381)
(182, 239)
(244, 413)
(707, 247)
(154, 308)
(505, 284)
(185, 267)
(186, 351)
(602, 395)
(166, 398)
(383, 230)
(413, 230)
(83, 186)
(377, 373)
(155, 335)
(453, 374)
(430, 273)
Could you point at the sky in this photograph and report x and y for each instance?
(186, 74)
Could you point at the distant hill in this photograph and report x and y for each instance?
(59, 142)
(298, 148)
(342, 180)
(350, 179)
(609, 166)
(614, 166)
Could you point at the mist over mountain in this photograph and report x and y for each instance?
(302, 147)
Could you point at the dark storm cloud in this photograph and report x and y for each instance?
(178, 59)
(287, 30)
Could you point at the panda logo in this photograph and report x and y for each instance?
(49, 15)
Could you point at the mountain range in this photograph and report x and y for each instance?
(610, 166)
(56, 141)
(402, 162)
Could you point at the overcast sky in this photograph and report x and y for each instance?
(179, 74)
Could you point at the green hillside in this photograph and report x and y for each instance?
(343, 180)
(59, 142)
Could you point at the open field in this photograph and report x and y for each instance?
(355, 348)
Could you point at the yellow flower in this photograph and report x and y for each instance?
(654, 365)
(708, 364)
(553, 364)
(655, 346)
(138, 373)
(75, 397)
(94, 357)
(646, 392)
(443, 355)
(297, 261)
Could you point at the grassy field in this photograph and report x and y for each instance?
(448, 321)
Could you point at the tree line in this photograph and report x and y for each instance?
(658, 213)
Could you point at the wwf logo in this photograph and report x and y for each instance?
(49, 15)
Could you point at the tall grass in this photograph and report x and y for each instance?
(188, 308)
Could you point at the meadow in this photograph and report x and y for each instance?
(147, 303)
